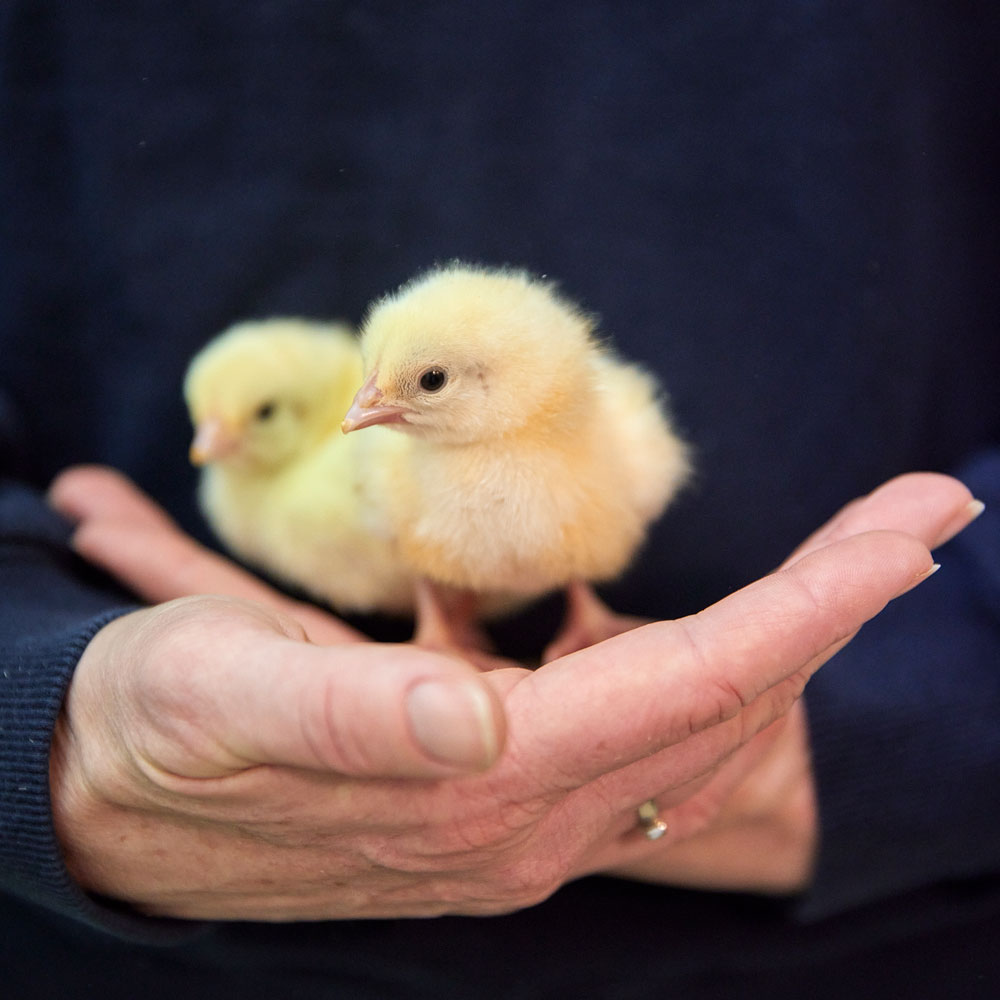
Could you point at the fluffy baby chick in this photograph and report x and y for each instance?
(529, 456)
(280, 485)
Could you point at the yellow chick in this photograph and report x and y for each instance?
(528, 456)
(280, 485)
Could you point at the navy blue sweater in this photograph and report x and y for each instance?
(788, 210)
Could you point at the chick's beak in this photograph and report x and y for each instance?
(212, 441)
(368, 408)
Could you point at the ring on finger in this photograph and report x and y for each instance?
(649, 820)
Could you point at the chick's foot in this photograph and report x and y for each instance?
(588, 620)
(447, 623)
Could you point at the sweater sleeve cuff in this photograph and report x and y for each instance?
(32, 687)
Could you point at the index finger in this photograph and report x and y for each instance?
(928, 505)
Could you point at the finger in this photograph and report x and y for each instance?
(88, 492)
(676, 772)
(264, 698)
(742, 661)
(686, 810)
(129, 536)
(385, 711)
(163, 565)
(932, 507)
(751, 835)
(124, 532)
(608, 807)
(927, 505)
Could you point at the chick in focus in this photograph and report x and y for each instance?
(280, 483)
(529, 457)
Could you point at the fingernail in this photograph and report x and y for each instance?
(453, 721)
(920, 578)
(961, 521)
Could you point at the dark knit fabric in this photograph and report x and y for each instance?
(786, 209)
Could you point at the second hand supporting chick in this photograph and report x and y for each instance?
(527, 456)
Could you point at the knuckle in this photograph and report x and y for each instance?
(719, 699)
(336, 738)
(480, 863)
(723, 701)
(530, 880)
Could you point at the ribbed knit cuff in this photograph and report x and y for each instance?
(33, 684)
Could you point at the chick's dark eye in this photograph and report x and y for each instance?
(433, 379)
(265, 411)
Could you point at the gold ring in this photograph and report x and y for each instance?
(649, 820)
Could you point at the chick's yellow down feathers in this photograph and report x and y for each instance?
(280, 483)
(528, 456)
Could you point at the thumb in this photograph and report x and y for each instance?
(215, 685)
(367, 710)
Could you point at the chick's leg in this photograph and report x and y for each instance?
(588, 620)
(447, 623)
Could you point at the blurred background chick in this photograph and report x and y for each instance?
(279, 484)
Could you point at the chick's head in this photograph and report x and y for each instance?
(262, 393)
(464, 354)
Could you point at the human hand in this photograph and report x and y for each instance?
(756, 825)
(263, 775)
